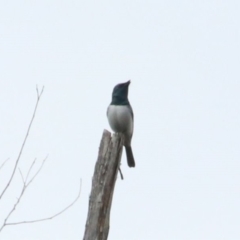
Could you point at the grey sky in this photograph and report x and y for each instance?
(183, 60)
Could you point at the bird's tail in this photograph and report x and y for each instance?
(130, 158)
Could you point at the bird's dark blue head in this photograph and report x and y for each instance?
(120, 94)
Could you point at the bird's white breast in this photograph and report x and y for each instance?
(120, 119)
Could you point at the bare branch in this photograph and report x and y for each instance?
(24, 188)
(37, 91)
(39, 95)
(27, 182)
(23, 144)
(21, 175)
(29, 170)
(13, 209)
(51, 217)
(3, 163)
(44, 160)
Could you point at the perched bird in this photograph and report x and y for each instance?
(120, 117)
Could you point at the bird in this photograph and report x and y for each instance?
(121, 119)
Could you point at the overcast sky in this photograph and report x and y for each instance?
(183, 60)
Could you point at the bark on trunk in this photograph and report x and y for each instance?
(104, 178)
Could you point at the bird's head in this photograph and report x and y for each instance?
(120, 94)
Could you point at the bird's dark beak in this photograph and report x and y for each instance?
(128, 82)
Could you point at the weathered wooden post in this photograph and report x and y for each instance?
(103, 182)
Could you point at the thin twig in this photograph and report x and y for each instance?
(21, 175)
(120, 171)
(24, 188)
(3, 163)
(44, 160)
(13, 209)
(53, 216)
(37, 90)
(23, 144)
(29, 170)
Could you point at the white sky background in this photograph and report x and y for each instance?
(183, 60)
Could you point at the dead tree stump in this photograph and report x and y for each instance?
(103, 182)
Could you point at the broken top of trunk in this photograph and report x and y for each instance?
(104, 178)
